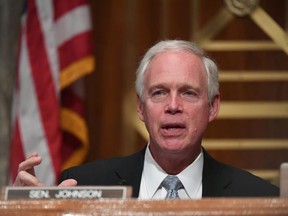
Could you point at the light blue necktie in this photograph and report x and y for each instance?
(172, 184)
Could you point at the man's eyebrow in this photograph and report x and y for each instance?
(156, 86)
(181, 87)
(195, 88)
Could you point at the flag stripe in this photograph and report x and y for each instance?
(45, 13)
(73, 101)
(71, 24)
(61, 7)
(45, 90)
(32, 135)
(67, 55)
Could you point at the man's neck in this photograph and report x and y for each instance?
(174, 163)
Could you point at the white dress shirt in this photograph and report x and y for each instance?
(153, 175)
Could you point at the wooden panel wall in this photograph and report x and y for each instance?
(252, 129)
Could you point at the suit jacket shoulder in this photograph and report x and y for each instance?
(114, 171)
(221, 180)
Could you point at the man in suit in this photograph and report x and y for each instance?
(177, 97)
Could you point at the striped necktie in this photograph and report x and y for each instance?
(172, 184)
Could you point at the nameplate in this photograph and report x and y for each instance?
(79, 192)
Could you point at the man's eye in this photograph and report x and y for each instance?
(190, 93)
(158, 93)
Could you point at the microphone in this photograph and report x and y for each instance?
(121, 180)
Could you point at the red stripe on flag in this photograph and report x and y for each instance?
(69, 145)
(72, 101)
(76, 48)
(44, 86)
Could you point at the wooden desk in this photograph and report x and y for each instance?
(219, 206)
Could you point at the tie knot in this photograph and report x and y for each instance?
(172, 183)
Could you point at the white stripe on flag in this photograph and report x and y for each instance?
(72, 23)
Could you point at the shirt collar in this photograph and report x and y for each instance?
(151, 168)
(191, 176)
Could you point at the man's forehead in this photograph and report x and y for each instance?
(178, 57)
(168, 53)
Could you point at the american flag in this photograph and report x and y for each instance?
(55, 51)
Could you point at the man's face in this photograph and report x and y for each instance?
(175, 107)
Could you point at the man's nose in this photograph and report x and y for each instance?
(174, 104)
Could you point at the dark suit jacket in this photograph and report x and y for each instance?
(219, 180)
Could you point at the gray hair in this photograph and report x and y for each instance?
(180, 45)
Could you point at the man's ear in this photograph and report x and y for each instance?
(214, 107)
(140, 108)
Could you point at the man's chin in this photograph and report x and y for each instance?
(173, 148)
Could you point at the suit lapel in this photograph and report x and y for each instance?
(130, 171)
(214, 180)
